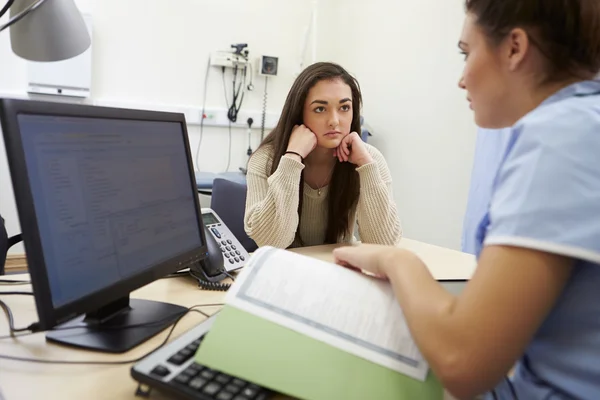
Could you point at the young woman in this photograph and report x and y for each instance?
(313, 176)
(534, 300)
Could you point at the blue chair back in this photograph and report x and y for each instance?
(229, 202)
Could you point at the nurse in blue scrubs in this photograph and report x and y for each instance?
(534, 300)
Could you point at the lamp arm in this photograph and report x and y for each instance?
(22, 14)
(6, 7)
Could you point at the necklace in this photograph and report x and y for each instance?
(320, 188)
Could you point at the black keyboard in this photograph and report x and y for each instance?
(173, 370)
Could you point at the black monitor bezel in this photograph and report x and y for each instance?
(50, 316)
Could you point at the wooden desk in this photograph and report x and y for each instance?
(16, 263)
(24, 380)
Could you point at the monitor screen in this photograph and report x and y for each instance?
(112, 198)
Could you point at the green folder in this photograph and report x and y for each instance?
(288, 362)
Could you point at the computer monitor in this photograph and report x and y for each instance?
(107, 204)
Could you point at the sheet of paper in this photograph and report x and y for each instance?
(340, 307)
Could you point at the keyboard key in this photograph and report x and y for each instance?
(225, 243)
(195, 368)
(233, 388)
(233, 246)
(160, 371)
(229, 241)
(232, 254)
(227, 255)
(237, 252)
(212, 388)
(191, 348)
(237, 259)
(250, 392)
(222, 379)
(242, 258)
(238, 382)
(208, 374)
(187, 353)
(183, 378)
(228, 248)
(225, 396)
(231, 261)
(240, 397)
(177, 359)
(197, 383)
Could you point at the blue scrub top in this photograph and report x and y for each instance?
(490, 148)
(546, 196)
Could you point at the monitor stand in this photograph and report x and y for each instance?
(115, 328)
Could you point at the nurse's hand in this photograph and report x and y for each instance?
(375, 260)
(352, 149)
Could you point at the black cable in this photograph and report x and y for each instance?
(16, 293)
(11, 321)
(202, 115)
(229, 275)
(215, 286)
(264, 112)
(229, 125)
(229, 151)
(250, 121)
(9, 282)
(250, 86)
(207, 285)
(6, 7)
(118, 327)
(224, 85)
(494, 395)
(22, 14)
(42, 361)
(237, 88)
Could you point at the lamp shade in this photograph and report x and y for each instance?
(54, 31)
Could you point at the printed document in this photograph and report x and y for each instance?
(341, 307)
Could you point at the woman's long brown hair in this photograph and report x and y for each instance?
(344, 185)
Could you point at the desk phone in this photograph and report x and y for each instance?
(234, 254)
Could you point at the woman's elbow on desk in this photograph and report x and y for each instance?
(270, 238)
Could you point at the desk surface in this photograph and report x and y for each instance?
(24, 380)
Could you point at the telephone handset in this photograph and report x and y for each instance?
(225, 253)
(210, 271)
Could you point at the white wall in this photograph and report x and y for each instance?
(404, 54)
(155, 52)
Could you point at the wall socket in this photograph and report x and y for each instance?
(218, 117)
(227, 59)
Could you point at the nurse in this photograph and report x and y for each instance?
(534, 300)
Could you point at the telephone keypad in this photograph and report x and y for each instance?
(231, 249)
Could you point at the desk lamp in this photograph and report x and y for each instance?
(46, 30)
